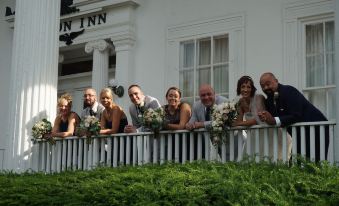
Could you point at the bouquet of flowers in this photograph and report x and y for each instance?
(89, 126)
(154, 119)
(41, 128)
(222, 115)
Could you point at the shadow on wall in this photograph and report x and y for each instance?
(26, 153)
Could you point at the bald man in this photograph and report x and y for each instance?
(201, 114)
(285, 105)
(93, 108)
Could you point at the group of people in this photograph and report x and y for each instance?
(283, 106)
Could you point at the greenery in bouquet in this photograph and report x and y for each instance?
(40, 129)
(88, 127)
(154, 119)
(223, 115)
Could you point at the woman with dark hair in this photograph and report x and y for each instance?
(177, 114)
(249, 103)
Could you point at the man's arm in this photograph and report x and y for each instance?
(154, 103)
(294, 106)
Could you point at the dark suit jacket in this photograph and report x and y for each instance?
(291, 106)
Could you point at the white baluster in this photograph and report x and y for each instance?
(191, 137)
(162, 148)
(128, 150)
(312, 143)
(184, 148)
(122, 150)
(69, 153)
(322, 142)
(176, 147)
(109, 150)
(303, 145)
(232, 145)
(169, 147)
(257, 146)
(199, 150)
(75, 154)
(115, 151)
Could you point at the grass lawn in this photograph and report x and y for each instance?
(199, 183)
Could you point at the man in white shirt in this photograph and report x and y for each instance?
(93, 108)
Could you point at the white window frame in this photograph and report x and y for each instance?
(294, 14)
(326, 88)
(232, 25)
(196, 65)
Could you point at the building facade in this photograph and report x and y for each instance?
(156, 44)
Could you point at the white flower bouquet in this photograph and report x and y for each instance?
(154, 119)
(223, 115)
(88, 127)
(41, 128)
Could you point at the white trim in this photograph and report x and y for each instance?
(208, 27)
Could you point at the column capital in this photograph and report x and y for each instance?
(100, 45)
(123, 42)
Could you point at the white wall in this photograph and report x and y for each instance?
(6, 34)
(263, 35)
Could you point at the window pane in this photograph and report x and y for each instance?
(331, 104)
(186, 83)
(220, 49)
(329, 40)
(188, 100)
(330, 68)
(187, 54)
(330, 55)
(314, 71)
(314, 39)
(204, 52)
(203, 77)
(318, 99)
(221, 79)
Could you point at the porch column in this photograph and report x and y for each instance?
(336, 137)
(34, 75)
(124, 70)
(100, 49)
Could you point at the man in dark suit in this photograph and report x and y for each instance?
(285, 105)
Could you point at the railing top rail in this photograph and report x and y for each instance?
(331, 122)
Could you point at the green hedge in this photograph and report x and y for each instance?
(199, 183)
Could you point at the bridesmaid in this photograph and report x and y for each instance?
(113, 119)
(66, 120)
(177, 114)
(249, 103)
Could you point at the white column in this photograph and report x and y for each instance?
(336, 138)
(100, 49)
(34, 74)
(124, 71)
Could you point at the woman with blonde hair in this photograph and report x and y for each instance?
(66, 120)
(113, 119)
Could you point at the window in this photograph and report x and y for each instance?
(319, 61)
(82, 66)
(204, 61)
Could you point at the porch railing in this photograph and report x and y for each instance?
(259, 142)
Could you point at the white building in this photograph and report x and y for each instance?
(157, 44)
